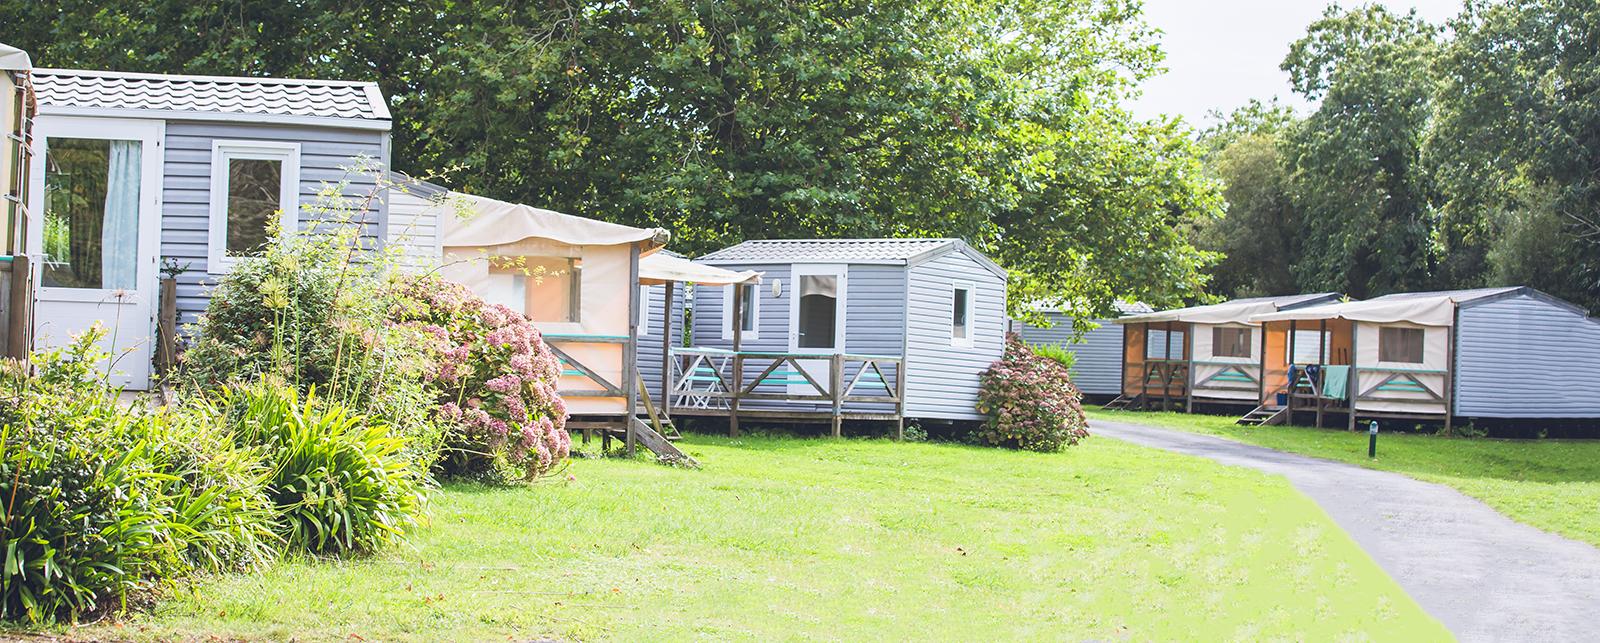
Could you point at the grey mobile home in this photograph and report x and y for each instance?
(846, 316)
(1097, 369)
(131, 171)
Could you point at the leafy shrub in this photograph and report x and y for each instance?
(311, 312)
(1031, 402)
(1060, 354)
(102, 501)
(494, 379)
(342, 482)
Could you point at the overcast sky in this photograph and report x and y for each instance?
(1222, 53)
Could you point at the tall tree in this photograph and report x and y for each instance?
(1517, 145)
(730, 119)
(1364, 194)
(1259, 234)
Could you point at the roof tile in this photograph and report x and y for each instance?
(225, 95)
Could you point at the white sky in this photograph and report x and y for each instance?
(1222, 53)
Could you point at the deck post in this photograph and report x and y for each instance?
(1322, 365)
(167, 328)
(1261, 377)
(836, 390)
(1354, 385)
(1144, 371)
(666, 351)
(900, 400)
(630, 353)
(21, 318)
(737, 320)
(1450, 372)
(1188, 369)
(1294, 382)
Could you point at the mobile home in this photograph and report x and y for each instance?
(1511, 352)
(1097, 364)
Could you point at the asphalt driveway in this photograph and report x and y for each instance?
(1485, 576)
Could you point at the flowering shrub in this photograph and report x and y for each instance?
(1031, 402)
(495, 380)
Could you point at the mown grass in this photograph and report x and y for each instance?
(1551, 484)
(855, 539)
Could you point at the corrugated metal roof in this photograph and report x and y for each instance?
(271, 97)
(840, 250)
(1467, 294)
(1132, 308)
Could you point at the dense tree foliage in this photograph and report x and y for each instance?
(1434, 159)
(732, 119)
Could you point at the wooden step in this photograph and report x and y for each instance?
(1263, 414)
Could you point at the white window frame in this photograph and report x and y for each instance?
(222, 151)
(955, 287)
(754, 332)
(644, 309)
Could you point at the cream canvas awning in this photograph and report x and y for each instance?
(1437, 310)
(1230, 312)
(481, 222)
(660, 268)
(13, 59)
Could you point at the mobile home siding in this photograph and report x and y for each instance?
(1525, 357)
(943, 382)
(1097, 369)
(325, 152)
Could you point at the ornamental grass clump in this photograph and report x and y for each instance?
(342, 482)
(494, 380)
(1031, 402)
(102, 504)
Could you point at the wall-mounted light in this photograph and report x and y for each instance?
(777, 288)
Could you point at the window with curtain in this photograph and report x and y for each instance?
(818, 314)
(91, 213)
(1402, 345)
(546, 289)
(1230, 342)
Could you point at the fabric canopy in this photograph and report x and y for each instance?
(13, 59)
(1437, 310)
(484, 223)
(1233, 312)
(661, 267)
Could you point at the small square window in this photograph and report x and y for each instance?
(1230, 342)
(1400, 345)
(545, 289)
(251, 183)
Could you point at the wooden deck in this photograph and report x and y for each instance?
(785, 386)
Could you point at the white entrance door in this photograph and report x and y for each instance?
(816, 320)
(96, 189)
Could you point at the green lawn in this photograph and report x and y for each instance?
(867, 539)
(1551, 484)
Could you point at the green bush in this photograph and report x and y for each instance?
(342, 482)
(1031, 402)
(1060, 354)
(103, 502)
(312, 311)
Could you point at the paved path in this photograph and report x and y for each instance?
(1485, 576)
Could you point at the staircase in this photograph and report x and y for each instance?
(1120, 404)
(1264, 414)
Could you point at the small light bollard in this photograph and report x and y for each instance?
(1372, 440)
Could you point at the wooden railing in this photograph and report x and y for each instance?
(716, 381)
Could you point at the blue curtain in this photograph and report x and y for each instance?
(119, 241)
